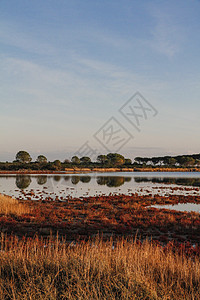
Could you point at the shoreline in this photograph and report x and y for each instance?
(99, 170)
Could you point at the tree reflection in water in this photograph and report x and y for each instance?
(112, 181)
(167, 180)
(41, 179)
(56, 178)
(23, 181)
(75, 179)
(85, 179)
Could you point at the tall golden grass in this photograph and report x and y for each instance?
(39, 269)
(11, 206)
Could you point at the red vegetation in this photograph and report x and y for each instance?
(113, 215)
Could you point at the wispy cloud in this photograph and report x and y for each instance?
(12, 35)
(167, 36)
(84, 80)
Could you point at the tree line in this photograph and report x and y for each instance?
(171, 161)
(23, 160)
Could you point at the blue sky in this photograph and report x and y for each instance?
(66, 67)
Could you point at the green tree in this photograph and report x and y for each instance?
(85, 160)
(187, 161)
(41, 159)
(57, 164)
(23, 157)
(102, 159)
(75, 160)
(172, 161)
(67, 161)
(198, 162)
(128, 161)
(116, 159)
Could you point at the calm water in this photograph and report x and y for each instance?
(181, 207)
(91, 184)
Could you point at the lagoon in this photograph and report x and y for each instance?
(92, 184)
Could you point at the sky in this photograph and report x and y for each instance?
(68, 67)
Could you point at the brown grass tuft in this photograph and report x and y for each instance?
(11, 206)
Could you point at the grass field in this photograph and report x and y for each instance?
(11, 206)
(53, 269)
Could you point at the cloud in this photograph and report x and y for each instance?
(167, 36)
(12, 35)
(118, 77)
(84, 80)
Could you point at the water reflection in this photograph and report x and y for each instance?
(180, 207)
(23, 181)
(112, 181)
(166, 180)
(85, 179)
(75, 179)
(56, 178)
(41, 179)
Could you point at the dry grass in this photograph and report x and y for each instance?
(11, 206)
(35, 269)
